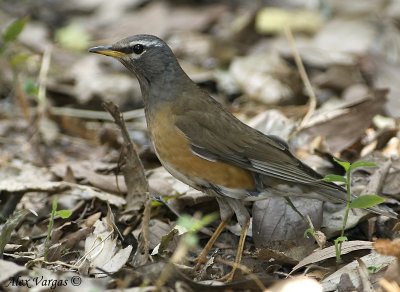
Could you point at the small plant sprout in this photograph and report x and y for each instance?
(362, 202)
(64, 214)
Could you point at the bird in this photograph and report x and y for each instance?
(208, 148)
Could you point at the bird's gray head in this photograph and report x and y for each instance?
(147, 56)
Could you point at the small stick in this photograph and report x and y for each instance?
(136, 183)
(312, 102)
(44, 69)
(245, 270)
(93, 115)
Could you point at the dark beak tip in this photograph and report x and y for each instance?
(98, 49)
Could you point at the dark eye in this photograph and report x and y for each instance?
(138, 49)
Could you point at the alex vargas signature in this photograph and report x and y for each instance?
(36, 281)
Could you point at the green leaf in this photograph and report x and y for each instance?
(194, 224)
(185, 221)
(366, 201)
(361, 163)
(191, 240)
(14, 29)
(208, 219)
(155, 203)
(73, 36)
(374, 269)
(340, 239)
(345, 164)
(19, 59)
(64, 214)
(309, 232)
(31, 87)
(334, 178)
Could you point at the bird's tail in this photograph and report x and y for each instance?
(337, 194)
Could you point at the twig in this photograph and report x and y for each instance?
(136, 183)
(312, 102)
(93, 115)
(364, 276)
(42, 260)
(245, 270)
(44, 70)
(142, 253)
(134, 174)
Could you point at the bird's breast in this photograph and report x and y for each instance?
(174, 151)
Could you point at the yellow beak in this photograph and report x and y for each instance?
(107, 51)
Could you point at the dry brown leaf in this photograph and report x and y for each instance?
(158, 229)
(89, 170)
(87, 193)
(161, 18)
(64, 240)
(102, 251)
(374, 260)
(277, 226)
(329, 252)
(273, 122)
(23, 177)
(344, 126)
(391, 186)
(162, 183)
(254, 71)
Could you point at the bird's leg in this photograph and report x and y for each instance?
(229, 277)
(226, 213)
(202, 258)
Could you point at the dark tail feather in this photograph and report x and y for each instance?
(384, 211)
(338, 195)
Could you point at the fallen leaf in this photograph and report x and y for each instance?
(276, 225)
(329, 252)
(273, 122)
(20, 177)
(343, 126)
(330, 283)
(252, 72)
(102, 250)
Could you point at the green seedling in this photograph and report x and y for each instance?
(362, 202)
(64, 214)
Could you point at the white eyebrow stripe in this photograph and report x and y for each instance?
(146, 43)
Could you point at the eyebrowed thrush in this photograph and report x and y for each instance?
(206, 147)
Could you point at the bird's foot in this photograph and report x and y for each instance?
(228, 277)
(200, 261)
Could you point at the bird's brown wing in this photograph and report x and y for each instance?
(217, 135)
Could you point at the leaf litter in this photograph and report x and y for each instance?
(122, 232)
